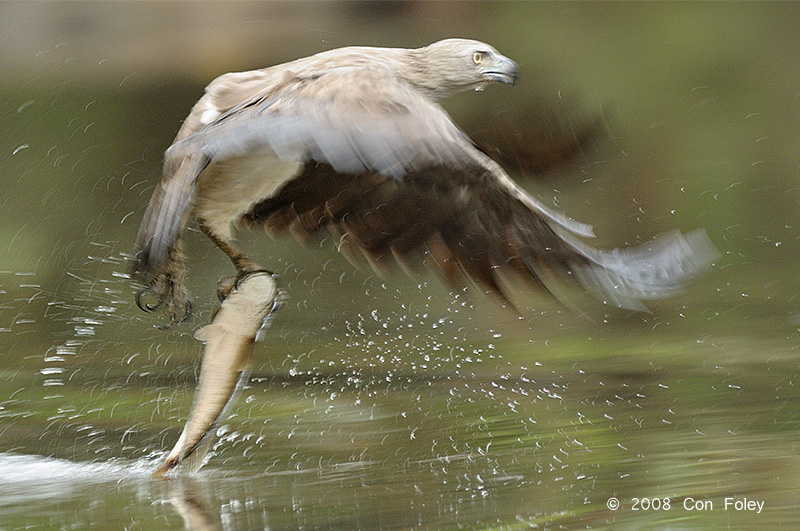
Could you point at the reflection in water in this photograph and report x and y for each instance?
(191, 498)
(353, 450)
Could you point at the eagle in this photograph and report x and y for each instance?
(353, 140)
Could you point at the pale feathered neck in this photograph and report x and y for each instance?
(429, 73)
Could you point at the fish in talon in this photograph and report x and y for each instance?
(227, 360)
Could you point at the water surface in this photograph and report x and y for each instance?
(393, 403)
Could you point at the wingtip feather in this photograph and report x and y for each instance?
(659, 269)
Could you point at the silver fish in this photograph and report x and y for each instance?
(240, 321)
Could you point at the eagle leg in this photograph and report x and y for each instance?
(168, 288)
(244, 266)
(226, 285)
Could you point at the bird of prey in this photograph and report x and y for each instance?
(354, 140)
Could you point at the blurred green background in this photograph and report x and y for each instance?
(394, 403)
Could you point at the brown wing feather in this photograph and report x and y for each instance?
(468, 227)
(534, 134)
(473, 228)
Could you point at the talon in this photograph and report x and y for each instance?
(172, 320)
(241, 275)
(165, 326)
(224, 288)
(187, 312)
(143, 305)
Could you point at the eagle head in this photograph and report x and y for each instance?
(466, 64)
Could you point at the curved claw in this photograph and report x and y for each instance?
(241, 275)
(187, 312)
(172, 320)
(143, 305)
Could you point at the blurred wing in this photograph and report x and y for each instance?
(391, 171)
(472, 228)
(227, 92)
(353, 119)
(167, 214)
(533, 136)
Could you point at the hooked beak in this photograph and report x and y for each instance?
(503, 71)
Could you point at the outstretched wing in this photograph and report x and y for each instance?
(388, 168)
(355, 120)
(352, 118)
(473, 228)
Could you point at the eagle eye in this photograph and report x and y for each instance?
(477, 57)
